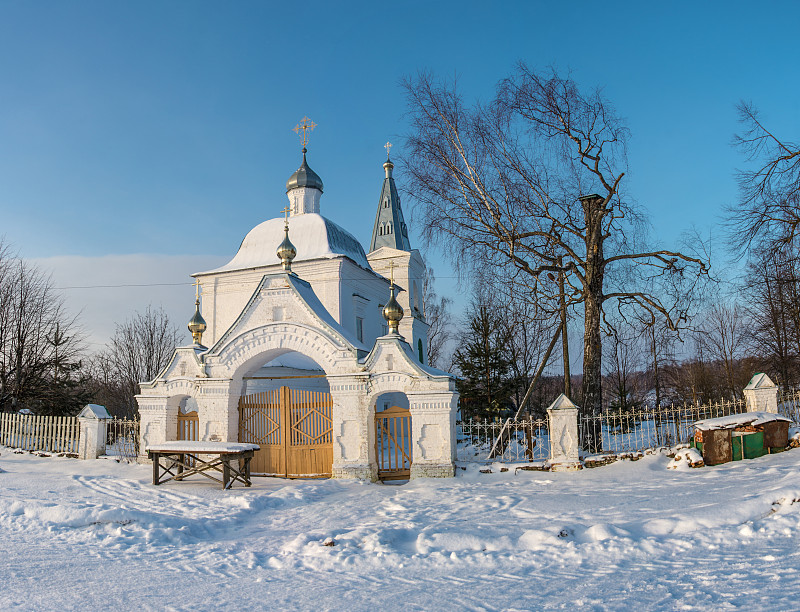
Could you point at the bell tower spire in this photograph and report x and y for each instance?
(390, 226)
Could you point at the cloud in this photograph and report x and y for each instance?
(109, 289)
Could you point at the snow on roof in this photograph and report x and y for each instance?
(313, 236)
(561, 402)
(760, 381)
(736, 420)
(94, 411)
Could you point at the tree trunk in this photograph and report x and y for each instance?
(593, 209)
(564, 337)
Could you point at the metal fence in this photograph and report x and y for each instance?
(504, 441)
(789, 405)
(122, 438)
(619, 431)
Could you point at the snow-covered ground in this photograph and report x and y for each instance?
(631, 535)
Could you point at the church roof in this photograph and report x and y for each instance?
(304, 176)
(390, 228)
(313, 236)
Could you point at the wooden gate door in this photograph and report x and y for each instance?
(188, 426)
(393, 443)
(294, 430)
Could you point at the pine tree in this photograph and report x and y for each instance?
(486, 382)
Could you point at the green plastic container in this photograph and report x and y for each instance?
(753, 445)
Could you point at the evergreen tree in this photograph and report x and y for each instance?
(487, 381)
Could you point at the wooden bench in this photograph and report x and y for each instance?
(182, 458)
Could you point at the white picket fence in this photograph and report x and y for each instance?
(51, 434)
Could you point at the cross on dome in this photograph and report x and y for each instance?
(388, 147)
(307, 126)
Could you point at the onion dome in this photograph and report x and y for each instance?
(197, 325)
(392, 312)
(304, 176)
(286, 251)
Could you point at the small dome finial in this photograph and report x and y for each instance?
(286, 251)
(392, 312)
(388, 165)
(197, 324)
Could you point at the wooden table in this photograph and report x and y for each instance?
(182, 458)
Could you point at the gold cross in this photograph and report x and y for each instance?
(305, 124)
(391, 273)
(285, 212)
(196, 289)
(387, 146)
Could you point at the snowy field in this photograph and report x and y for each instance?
(631, 535)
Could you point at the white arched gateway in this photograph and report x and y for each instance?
(290, 368)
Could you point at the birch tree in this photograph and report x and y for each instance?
(532, 183)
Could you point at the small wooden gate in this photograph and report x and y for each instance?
(188, 426)
(393, 443)
(293, 429)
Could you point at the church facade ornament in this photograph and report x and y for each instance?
(314, 323)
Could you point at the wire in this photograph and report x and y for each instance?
(212, 285)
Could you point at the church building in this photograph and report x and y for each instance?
(314, 350)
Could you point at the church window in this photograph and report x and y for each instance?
(360, 329)
(388, 228)
(386, 202)
(419, 348)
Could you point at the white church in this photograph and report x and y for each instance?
(314, 350)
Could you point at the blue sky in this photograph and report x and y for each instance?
(163, 129)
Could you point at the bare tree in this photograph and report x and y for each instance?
(724, 340)
(40, 344)
(768, 211)
(437, 315)
(773, 307)
(140, 349)
(510, 186)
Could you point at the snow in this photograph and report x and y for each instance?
(190, 446)
(686, 458)
(736, 420)
(630, 535)
(313, 237)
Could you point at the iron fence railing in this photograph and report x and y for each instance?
(789, 405)
(505, 441)
(618, 431)
(122, 438)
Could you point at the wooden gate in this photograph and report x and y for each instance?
(294, 430)
(188, 426)
(393, 443)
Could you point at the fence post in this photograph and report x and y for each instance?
(564, 445)
(761, 394)
(92, 420)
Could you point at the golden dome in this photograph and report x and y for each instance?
(286, 251)
(197, 325)
(392, 312)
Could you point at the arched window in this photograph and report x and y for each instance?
(419, 348)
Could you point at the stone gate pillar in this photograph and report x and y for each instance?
(218, 409)
(353, 435)
(159, 420)
(433, 430)
(562, 415)
(761, 394)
